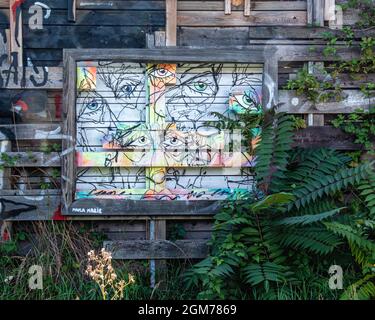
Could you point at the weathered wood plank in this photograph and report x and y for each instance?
(160, 38)
(227, 7)
(318, 13)
(121, 5)
(81, 36)
(325, 137)
(355, 80)
(96, 4)
(171, 23)
(31, 193)
(98, 17)
(270, 82)
(33, 159)
(69, 169)
(351, 17)
(28, 205)
(214, 18)
(100, 4)
(314, 53)
(353, 99)
(190, 225)
(5, 227)
(159, 5)
(129, 226)
(255, 6)
(247, 8)
(220, 54)
(30, 77)
(16, 39)
(346, 81)
(229, 36)
(108, 207)
(171, 54)
(157, 249)
(40, 131)
(329, 10)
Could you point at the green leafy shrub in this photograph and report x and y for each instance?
(296, 216)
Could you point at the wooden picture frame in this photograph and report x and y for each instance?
(107, 207)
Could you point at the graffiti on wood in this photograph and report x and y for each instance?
(37, 16)
(13, 76)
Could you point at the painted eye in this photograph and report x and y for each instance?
(200, 86)
(162, 73)
(128, 89)
(173, 142)
(93, 105)
(140, 142)
(247, 100)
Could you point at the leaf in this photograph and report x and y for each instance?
(278, 199)
(258, 273)
(309, 218)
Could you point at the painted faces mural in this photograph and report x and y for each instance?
(144, 131)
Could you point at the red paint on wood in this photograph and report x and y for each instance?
(57, 216)
(23, 105)
(16, 5)
(5, 235)
(58, 106)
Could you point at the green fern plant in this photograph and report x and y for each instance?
(297, 208)
(367, 191)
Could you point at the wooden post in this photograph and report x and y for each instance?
(329, 10)
(227, 6)
(159, 37)
(5, 146)
(246, 9)
(15, 19)
(314, 119)
(150, 40)
(318, 13)
(5, 226)
(335, 14)
(316, 16)
(171, 22)
(270, 82)
(309, 12)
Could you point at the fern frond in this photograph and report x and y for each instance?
(308, 219)
(314, 239)
(275, 200)
(302, 155)
(367, 188)
(316, 162)
(222, 270)
(350, 234)
(362, 256)
(323, 205)
(198, 272)
(273, 153)
(363, 289)
(268, 271)
(328, 184)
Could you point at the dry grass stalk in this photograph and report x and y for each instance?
(100, 270)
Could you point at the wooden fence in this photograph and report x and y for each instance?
(31, 96)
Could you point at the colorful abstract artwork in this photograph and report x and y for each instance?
(86, 78)
(143, 130)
